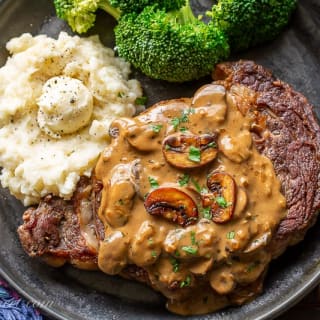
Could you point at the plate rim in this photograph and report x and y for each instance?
(311, 280)
(306, 287)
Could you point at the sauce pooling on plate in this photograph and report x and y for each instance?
(188, 198)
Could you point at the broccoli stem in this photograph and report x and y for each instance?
(106, 6)
(184, 15)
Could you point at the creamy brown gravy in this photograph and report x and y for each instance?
(203, 266)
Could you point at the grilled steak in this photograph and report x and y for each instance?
(282, 128)
(291, 140)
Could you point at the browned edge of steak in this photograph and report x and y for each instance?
(52, 230)
(291, 140)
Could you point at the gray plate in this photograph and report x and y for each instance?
(67, 293)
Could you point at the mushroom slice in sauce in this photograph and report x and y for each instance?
(173, 205)
(121, 193)
(145, 137)
(186, 150)
(222, 196)
(259, 242)
(112, 256)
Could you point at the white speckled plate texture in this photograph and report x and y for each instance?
(67, 293)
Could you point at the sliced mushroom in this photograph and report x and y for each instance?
(145, 246)
(259, 242)
(112, 257)
(173, 205)
(120, 202)
(202, 266)
(186, 150)
(119, 125)
(222, 281)
(242, 98)
(209, 95)
(114, 132)
(121, 193)
(222, 196)
(145, 137)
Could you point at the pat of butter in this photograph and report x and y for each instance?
(65, 106)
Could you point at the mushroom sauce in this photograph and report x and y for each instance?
(188, 198)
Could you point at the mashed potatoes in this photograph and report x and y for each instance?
(57, 99)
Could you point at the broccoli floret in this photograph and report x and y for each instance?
(81, 14)
(251, 22)
(127, 6)
(164, 44)
(173, 46)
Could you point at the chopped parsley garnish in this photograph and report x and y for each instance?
(194, 154)
(196, 185)
(212, 145)
(183, 129)
(150, 241)
(185, 114)
(189, 249)
(206, 212)
(222, 202)
(153, 183)
(177, 253)
(141, 101)
(186, 282)
(182, 119)
(154, 254)
(175, 122)
(175, 264)
(231, 235)
(121, 202)
(156, 128)
(184, 180)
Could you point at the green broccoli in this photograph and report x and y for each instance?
(81, 14)
(251, 22)
(127, 6)
(168, 45)
(173, 46)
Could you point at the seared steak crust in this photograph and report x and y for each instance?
(290, 139)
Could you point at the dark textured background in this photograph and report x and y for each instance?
(67, 293)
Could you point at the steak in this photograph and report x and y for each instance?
(285, 130)
(56, 229)
(291, 140)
